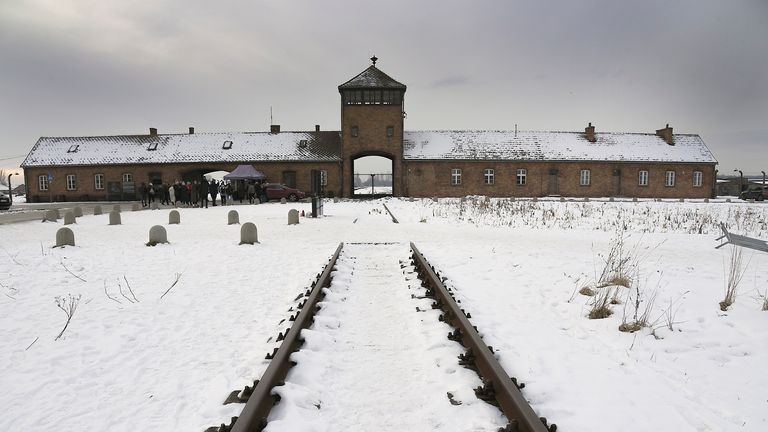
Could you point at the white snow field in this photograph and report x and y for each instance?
(130, 363)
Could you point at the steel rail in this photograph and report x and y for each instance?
(254, 415)
(512, 403)
(394, 219)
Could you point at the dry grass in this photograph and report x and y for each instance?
(734, 274)
(637, 309)
(619, 263)
(587, 291)
(600, 306)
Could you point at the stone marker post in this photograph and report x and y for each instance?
(50, 216)
(293, 217)
(78, 211)
(97, 210)
(65, 237)
(233, 218)
(116, 208)
(69, 218)
(248, 233)
(157, 235)
(114, 217)
(135, 207)
(174, 218)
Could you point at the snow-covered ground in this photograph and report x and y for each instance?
(142, 363)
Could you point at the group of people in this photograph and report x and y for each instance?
(186, 193)
(200, 192)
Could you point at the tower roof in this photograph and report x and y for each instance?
(372, 78)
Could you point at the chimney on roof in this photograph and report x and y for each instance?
(589, 131)
(153, 131)
(191, 130)
(274, 129)
(666, 134)
(317, 128)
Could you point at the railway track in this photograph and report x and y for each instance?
(369, 352)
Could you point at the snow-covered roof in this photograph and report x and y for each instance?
(186, 148)
(326, 146)
(372, 78)
(553, 146)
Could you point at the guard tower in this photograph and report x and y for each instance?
(372, 123)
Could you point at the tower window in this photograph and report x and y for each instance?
(390, 131)
(355, 131)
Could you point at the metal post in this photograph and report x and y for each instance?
(10, 194)
(741, 180)
(763, 178)
(373, 192)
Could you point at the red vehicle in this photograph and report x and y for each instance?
(278, 191)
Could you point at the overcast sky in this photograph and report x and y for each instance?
(104, 67)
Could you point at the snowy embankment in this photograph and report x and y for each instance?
(168, 363)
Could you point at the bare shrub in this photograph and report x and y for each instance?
(600, 306)
(637, 309)
(587, 291)
(619, 263)
(669, 314)
(733, 276)
(69, 306)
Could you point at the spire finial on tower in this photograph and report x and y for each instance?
(374, 59)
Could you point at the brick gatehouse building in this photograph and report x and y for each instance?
(424, 163)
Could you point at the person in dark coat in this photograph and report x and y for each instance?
(143, 192)
(213, 188)
(165, 196)
(202, 191)
(263, 193)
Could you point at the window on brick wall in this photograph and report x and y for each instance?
(698, 177)
(521, 176)
(42, 182)
(585, 177)
(98, 181)
(71, 182)
(456, 176)
(642, 178)
(488, 176)
(127, 178)
(669, 179)
(355, 131)
(390, 131)
(323, 178)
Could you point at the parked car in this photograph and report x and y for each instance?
(757, 194)
(278, 191)
(5, 201)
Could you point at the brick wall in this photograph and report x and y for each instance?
(433, 178)
(85, 189)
